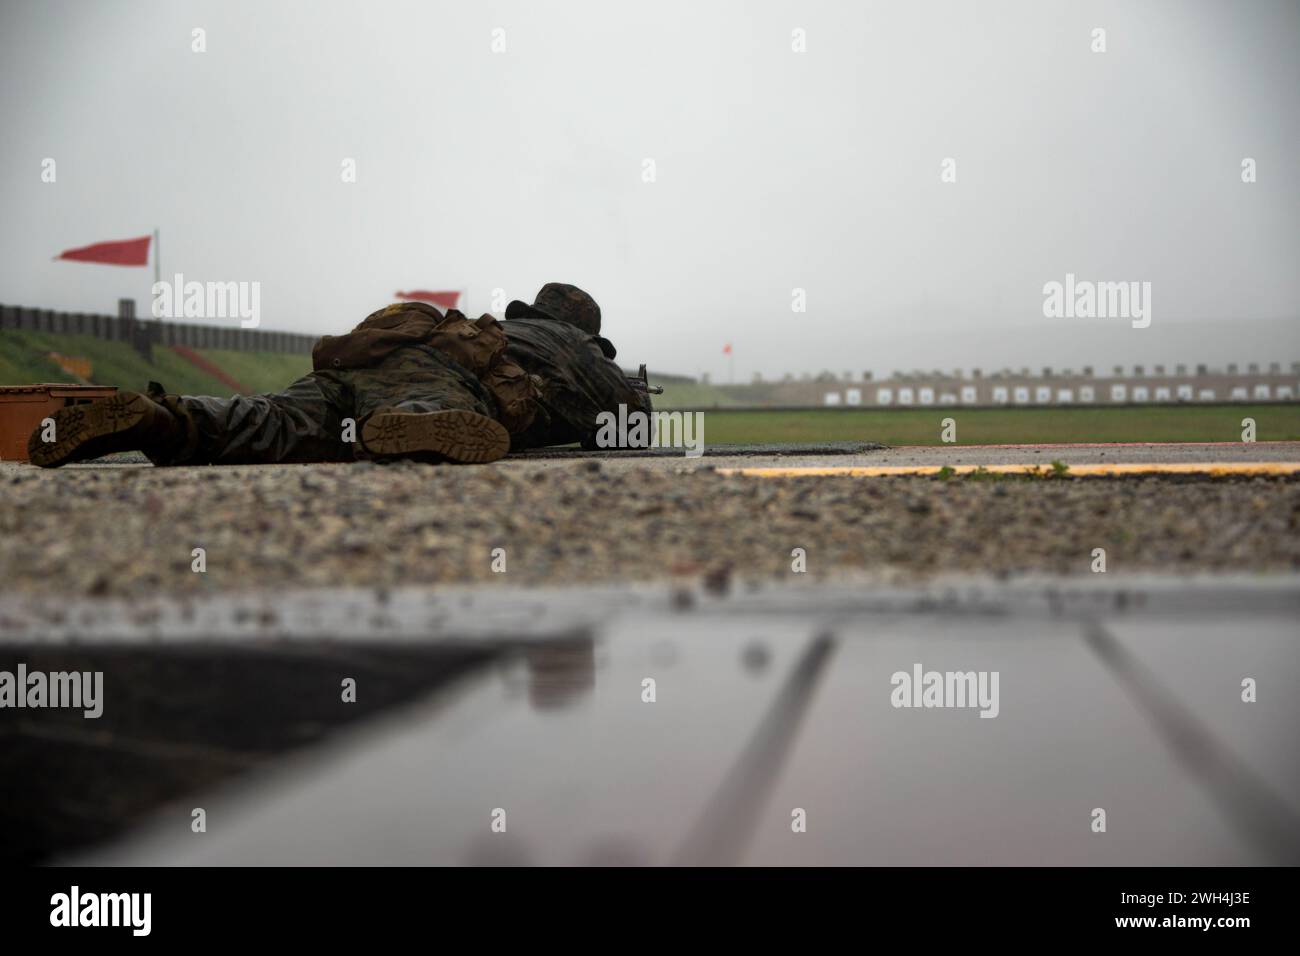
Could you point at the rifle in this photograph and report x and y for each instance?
(641, 382)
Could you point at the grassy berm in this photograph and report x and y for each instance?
(24, 359)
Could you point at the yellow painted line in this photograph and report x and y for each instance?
(1075, 471)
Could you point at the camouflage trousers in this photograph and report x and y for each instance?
(305, 422)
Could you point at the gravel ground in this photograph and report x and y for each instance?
(131, 530)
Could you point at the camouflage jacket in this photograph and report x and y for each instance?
(479, 347)
(578, 380)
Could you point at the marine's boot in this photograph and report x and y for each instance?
(128, 421)
(449, 435)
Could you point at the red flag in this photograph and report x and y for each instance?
(726, 349)
(447, 300)
(124, 252)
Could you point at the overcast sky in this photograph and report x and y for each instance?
(775, 170)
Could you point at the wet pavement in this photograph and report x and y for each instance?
(774, 735)
(849, 454)
(852, 454)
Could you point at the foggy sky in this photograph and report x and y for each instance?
(775, 170)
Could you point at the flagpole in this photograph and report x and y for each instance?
(157, 257)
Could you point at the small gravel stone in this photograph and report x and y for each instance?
(132, 531)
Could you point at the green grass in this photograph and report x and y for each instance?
(998, 426)
(261, 371)
(691, 395)
(23, 361)
(1057, 469)
(21, 364)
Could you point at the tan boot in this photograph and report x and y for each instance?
(128, 421)
(450, 435)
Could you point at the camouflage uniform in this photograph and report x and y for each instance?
(578, 378)
(304, 423)
(546, 379)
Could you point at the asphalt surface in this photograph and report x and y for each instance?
(852, 454)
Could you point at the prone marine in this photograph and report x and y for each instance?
(409, 382)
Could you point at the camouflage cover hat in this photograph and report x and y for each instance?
(563, 303)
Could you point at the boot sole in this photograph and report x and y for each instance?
(455, 435)
(82, 432)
